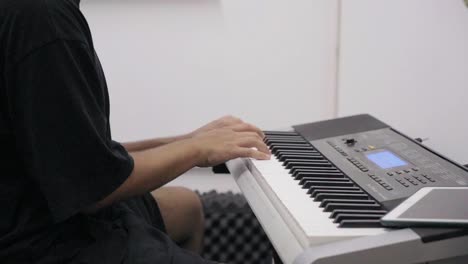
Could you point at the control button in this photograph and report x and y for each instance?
(365, 170)
(390, 173)
(415, 169)
(412, 182)
(388, 188)
(406, 185)
(350, 141)
(407, 171)
(428, 178)
(371, 147)
(398, 172)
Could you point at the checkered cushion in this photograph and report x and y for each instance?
(232, 233)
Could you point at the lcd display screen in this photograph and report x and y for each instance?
(386, 159)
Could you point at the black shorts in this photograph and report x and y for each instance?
(147, 208)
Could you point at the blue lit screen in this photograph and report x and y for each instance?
(386, 159)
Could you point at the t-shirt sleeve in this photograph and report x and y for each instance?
(58, 105)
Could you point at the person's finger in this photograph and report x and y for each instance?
(230, 120)
(254, 143)
(246, 127)
(249, 134)
(250, 153)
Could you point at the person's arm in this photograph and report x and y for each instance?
(151, 143)
(157, 166)
(224, 122)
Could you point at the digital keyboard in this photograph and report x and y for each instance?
(333, 180)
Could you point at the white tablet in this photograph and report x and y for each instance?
(431, 206)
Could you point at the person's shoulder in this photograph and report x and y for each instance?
(67, 19)
(39, 8)
(29, 24)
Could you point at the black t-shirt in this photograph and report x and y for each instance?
(57, 155)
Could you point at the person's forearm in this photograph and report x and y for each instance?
(153, 168)
(157, 166)
(152, 143)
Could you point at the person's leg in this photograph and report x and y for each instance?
(182, 212)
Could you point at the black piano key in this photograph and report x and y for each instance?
(310, 153)
(280, 133)
(270, 141)
(308, 161)
(334, 206)
(337, 188)
(280, 145)
(309, 184)
(296, 152)
(340, 217)
(360, 223)
(360, 196)
(300, 176)
(318, 179)
(280, 149)
(336, 212)
(275, 147)
(331, 170)
(299, 149)
(326, 202)
(316, 192)
(300, 157)
(296, 170)
(317, 163)
(293, 145)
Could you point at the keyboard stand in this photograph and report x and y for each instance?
(400, 246)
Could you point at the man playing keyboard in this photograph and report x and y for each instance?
(68, 192)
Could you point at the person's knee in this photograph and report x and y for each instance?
(192, 203)
(181, 201)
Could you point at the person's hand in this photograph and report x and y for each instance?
(230, 122)
(220, 145)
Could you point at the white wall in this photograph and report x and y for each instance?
(406, 62)
(173, 65)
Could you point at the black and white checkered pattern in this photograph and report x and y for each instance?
(232, 232)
